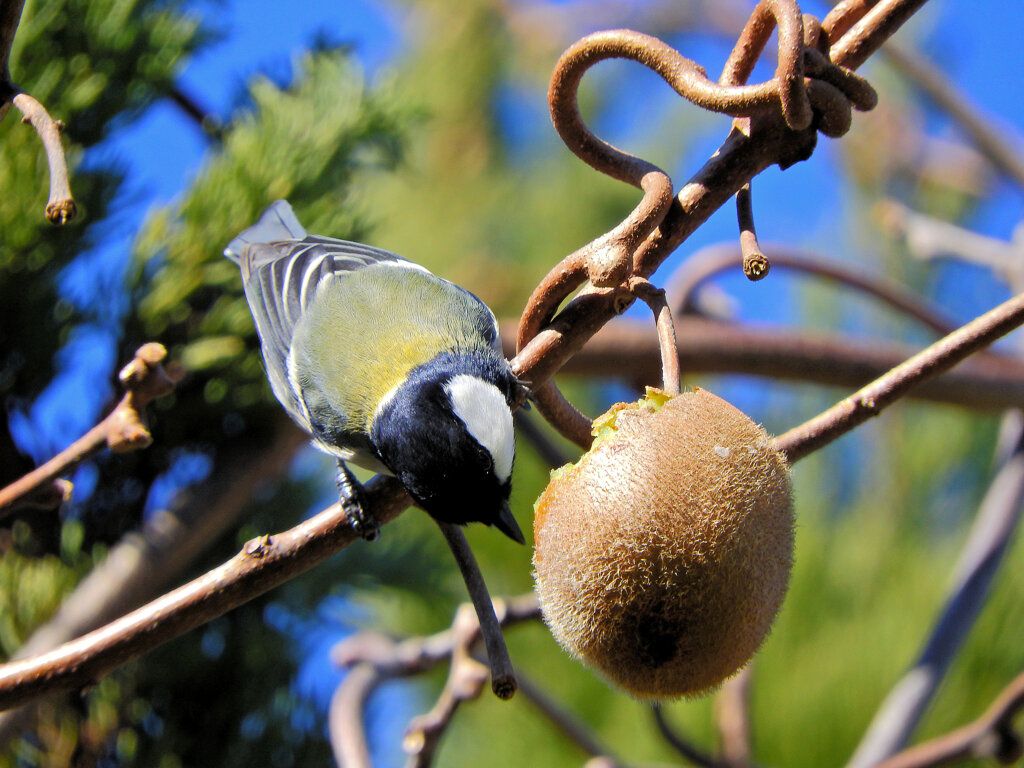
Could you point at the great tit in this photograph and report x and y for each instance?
(384, 365)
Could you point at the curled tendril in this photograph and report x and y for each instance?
(809, 91)
(570, 422)
(843, 16)
(789, 74)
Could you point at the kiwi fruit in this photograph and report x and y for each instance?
(663, 555)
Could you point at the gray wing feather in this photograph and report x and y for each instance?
(282, 267)
(277, 222)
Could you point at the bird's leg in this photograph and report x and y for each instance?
(351, 496)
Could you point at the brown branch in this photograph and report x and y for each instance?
(207, 122)
(146, 561)
(565, 417)
(992, 735)
(604, 261)
(683, 75)
(466, 679)
(716, 259)
(48, 496)
(751, 147)
(927, 237)
(60, 207)
(390, 659)
(418, 654)
(551, 453)
(627, 347)
(876, 26)
(262, 564)
(124, 429)
(870, 400)
(564, 720)
(844, 15)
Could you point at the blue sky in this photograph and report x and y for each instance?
(257, 36)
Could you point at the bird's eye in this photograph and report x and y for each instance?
(484, 457)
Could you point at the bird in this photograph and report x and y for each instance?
(384, 365)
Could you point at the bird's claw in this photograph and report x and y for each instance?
(352, 497)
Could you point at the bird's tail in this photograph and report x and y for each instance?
(276, 223)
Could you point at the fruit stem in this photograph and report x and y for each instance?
(655, 299)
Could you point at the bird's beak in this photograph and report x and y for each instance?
(507, 524)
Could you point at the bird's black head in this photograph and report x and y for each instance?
(446, 433)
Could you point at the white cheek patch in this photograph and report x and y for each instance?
(487, 417)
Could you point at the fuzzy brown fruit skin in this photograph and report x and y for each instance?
(663, 556)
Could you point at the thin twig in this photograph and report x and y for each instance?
(503, 678)
(732, 713)
(937, 87)
(755, 263)
(415, 655)
(551, 453)
(60, 208)
(606, 259)
(466, 679)
(571, 423)
(789, 73)
(876, 26)
(716, 259)
(983, 552)
(990, 736)
(870, 400)
(563, 719)
(681, 745)
(345, 717)
(124, 429)
(390, 659)
(844, 15)
(207, 122)
(927, 237)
